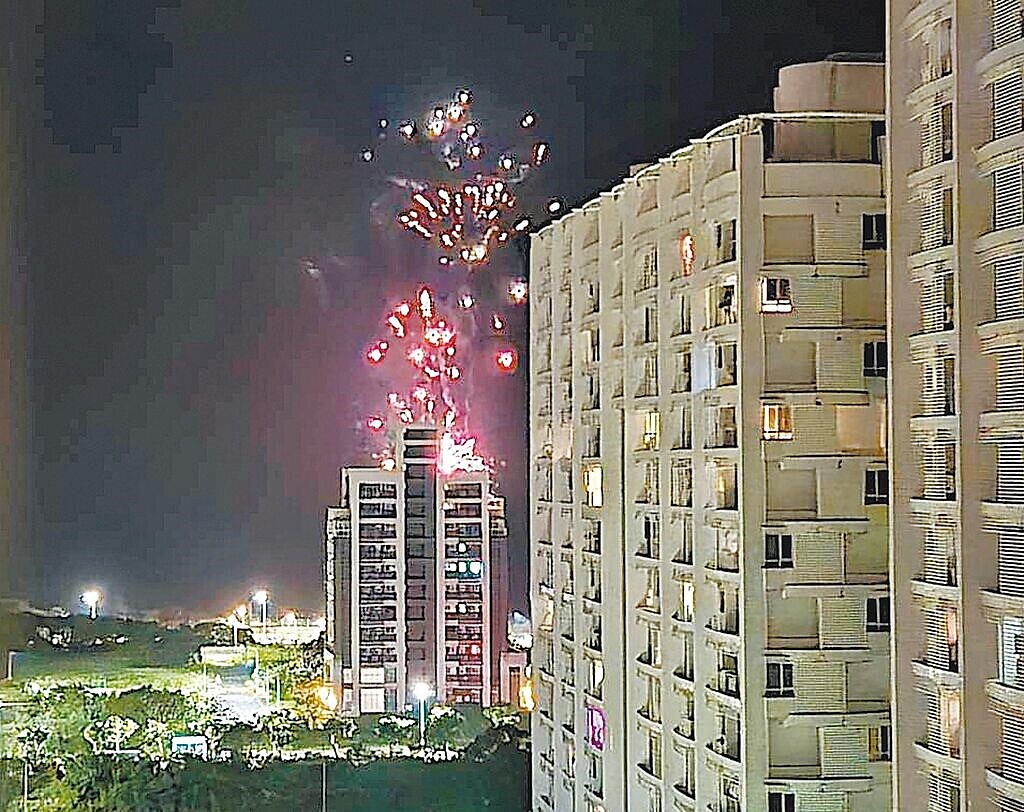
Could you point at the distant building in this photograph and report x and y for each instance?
(709, 486)
(415, 582)
(956, 255)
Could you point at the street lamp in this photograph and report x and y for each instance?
(422, 691)
(92, 599)
(261, 596)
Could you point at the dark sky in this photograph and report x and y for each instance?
(194, 392)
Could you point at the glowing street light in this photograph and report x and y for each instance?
(92, 598)
(261, 596)
(422, 691)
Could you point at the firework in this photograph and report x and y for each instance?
(517, 291)
(465, 219)
(507, 360)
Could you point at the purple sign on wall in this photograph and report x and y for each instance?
(597, 727)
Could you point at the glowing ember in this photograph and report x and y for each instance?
(517, 291)
(507, 360)
(377, 352)
(459, 455)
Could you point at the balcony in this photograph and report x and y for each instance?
(726, 748)
(684, 729)
(1006, 699)
(936, 760)
(725, 625)
(999, 515)
(1006, 787)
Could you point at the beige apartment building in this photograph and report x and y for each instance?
(709, 491)
(956, 149)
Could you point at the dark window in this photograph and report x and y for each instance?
(876, 364)
(781, 802)
(778, 550)
(872, 231)
(878, 614)
(779, 680)
(876, 486)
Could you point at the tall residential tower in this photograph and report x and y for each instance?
(709, 488)
(415, 581)
(956, 333)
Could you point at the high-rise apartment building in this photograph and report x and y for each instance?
(416, 581)
(709, 487)
(956, 335)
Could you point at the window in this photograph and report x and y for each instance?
(779, 680)
(687, 253)
(593, 486)
(876, 363)
(947, 302)
(944, 46)
(776, 295)
(725, 240)
(781, 801)
(651, 439)
(947, 216)
(876, 486)
(776, 422)
(778, 550)
(873, 231)
(650, 330)
(878, 614)
(880, 743)
(946, 115)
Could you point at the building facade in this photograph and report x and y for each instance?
(709, 486)
(956, 333)
(415, 581)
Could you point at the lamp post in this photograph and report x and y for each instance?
(422, 691)
(261, 596)
(92, 598)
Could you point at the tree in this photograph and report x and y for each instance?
(396, 729)
(278, 728)
(111, 734)
(502, 715)
(443, 723)
(312, 706)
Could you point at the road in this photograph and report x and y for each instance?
(238, 698)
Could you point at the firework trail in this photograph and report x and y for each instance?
(466, 214)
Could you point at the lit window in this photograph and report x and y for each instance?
(687, 253)
(778, 550)
(776, 295)
(779, 680)
(776, 422)
(876, 486)
(593, 485)
(872, 231)
(876, 364)
(880, 743)
(652, 431)
(686, 602)
(878, 614)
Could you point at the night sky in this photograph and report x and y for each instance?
(194, 390)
